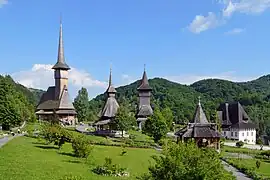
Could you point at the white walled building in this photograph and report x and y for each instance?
(236, 124)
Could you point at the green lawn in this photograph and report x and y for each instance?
(24, 158)
(251, 163)
(240, 150)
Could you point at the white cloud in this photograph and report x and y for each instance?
(189, 79)
(202, 23)
(41, 76)
(235, 31)
(3, 2)
(245, 6)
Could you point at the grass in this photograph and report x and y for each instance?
(241, 150)
(24, 158)
(251, 163)
(138, 136)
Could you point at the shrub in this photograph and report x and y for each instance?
(123, 152)
(239, 144)
(109, 169)
(187, 161)
(55, 134)
(266, 153)
(258, 164)
(81, 147)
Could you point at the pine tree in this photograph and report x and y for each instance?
(81, 104)
(122, 119)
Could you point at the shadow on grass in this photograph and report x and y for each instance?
(74, 161)
(67, 154)
(40, 143)
(47, 147)
(266, 160)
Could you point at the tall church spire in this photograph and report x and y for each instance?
(144, 82)
(61, 64)
(110, 77)
(111, 90)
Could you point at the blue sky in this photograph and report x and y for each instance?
(182, 40)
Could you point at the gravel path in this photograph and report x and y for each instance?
(249, 146)
(5, 139)
(236, 172)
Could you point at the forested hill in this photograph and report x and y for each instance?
(17, 103)
(182, 99)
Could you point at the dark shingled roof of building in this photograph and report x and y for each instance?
(144, 83)
(110, 88)
(61, 64)
(110, 108)
(234, 115)
(199, 115)
(145, 110)
(199, 126)
(49, 102)
(194, 130)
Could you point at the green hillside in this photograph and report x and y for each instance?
(17, 103)
(182, 99)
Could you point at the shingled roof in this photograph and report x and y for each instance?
(111, 105)
(144, 83)
(199, 115)
(145, 110)
(234, 115)
(199, 126)
(61, 64)
(49, 103)
(110, 88)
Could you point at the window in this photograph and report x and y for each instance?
(247, 133)
(231, 133)
(243, 134)
(235, 134)
(224, 133)
(251, 133)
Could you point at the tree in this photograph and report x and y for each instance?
(156, 126)
(81, 105)
(168, 115)
(9, 112)
(187, 161)
(260, 142)
(122, 119)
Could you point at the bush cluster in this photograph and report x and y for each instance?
(250, 172)
(266, 153)
(55, 134)
(109, 169)
(239, 144)
(81, 146)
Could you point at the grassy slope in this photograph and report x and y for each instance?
(20, 159)
(263, 170)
